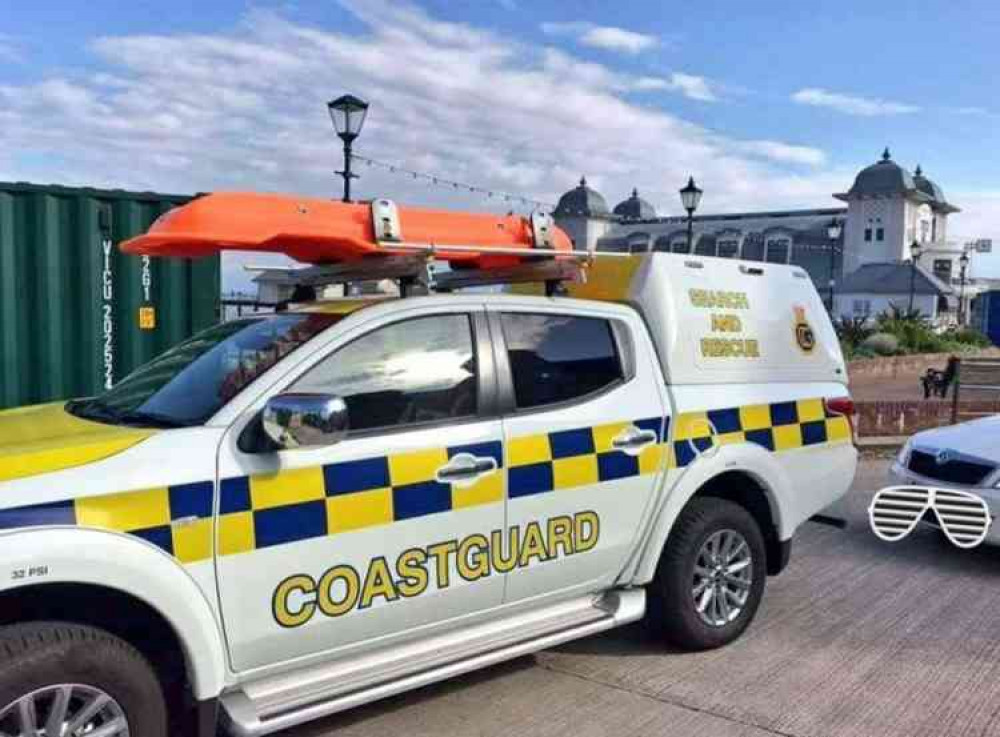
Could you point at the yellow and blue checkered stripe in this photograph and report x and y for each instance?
(268, 510)
(177, 519)
(567, 459)
(776, 427)
(264, 511)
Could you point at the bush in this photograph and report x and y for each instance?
(882, 344)
(911, 329)
(970, 337)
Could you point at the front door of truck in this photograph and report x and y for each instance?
(386, 531)
(583, 433)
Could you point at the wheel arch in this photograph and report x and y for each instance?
(745, 474)
(105, 574)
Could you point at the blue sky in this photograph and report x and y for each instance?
(774, 105)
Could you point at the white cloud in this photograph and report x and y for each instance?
(608, 38)
(851, 104)
(689, 85)
(980, 218)
(9, 50)
(777, 151)
(697, 88)
(245, 109)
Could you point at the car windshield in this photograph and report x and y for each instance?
(189, 383)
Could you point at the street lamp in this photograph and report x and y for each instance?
(963, 261)
(914, 257)
(348, 115)
(833, 231)
(690, 197)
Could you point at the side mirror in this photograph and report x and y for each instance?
(305, 420)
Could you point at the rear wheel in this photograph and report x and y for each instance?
(68, 680)
(711, 575)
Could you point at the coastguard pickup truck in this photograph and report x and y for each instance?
(292, 514)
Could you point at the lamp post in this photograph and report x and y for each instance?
(348, 115)
(914, 257)
(963, 261)
(833, 230)
(690, 197)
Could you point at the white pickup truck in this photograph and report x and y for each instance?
(292, 514)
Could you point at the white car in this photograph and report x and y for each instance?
(964, 457)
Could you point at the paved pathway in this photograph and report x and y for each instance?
(857, 638)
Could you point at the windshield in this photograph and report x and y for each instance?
(189, 383)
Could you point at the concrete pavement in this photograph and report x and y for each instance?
(856, 638)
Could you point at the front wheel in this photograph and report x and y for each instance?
(68, 680)
(711, 575)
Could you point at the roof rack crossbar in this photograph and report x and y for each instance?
(433, 249)
(549, 272)
(413, 268)
(410, 265)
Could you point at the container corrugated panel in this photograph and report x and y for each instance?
(76, 314)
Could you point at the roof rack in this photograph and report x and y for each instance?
(409, 264)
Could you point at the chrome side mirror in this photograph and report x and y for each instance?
(305, 420)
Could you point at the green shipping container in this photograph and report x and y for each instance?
(76, 314)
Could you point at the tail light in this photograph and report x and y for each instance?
(843, 407)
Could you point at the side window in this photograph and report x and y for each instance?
(407, 373)
(557, 358)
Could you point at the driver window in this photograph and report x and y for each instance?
(408, 373)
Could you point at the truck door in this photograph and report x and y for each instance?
(386, 531)
(583, 433)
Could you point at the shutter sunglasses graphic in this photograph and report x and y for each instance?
(896, 510)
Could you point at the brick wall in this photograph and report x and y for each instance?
(906, 366)
(908, 417)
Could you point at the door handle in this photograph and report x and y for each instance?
(632, 438)
(465, 466)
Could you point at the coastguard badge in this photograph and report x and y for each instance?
(804, 335)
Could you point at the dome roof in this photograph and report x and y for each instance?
(635, 208)
(885, 177)
(582, 200)
(928, 187)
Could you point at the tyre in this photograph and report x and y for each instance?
(711, 575)
(67, 679)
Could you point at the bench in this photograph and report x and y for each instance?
(936, 382)
(975, 375)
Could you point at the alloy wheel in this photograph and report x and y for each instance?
(64, 710)
(723, 573)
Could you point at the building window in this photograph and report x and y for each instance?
(942, 269)
(638, 242)
(727, 248)
(680, 246)
(861, 307)
(778, 251)
(880, 234)
(868, 235)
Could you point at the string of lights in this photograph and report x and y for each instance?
(440, 181)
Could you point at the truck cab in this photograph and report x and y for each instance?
(292, 514)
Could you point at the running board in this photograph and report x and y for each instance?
(291, 699)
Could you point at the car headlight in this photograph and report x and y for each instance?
(904, 453)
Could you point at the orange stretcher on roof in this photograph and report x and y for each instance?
(320, 231)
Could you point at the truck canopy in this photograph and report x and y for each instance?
(717, 320)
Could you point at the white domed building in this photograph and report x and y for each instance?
(887, 209)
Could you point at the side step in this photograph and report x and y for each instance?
(291, 699)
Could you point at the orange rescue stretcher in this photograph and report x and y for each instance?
(317, 231)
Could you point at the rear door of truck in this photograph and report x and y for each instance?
(585, 417)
